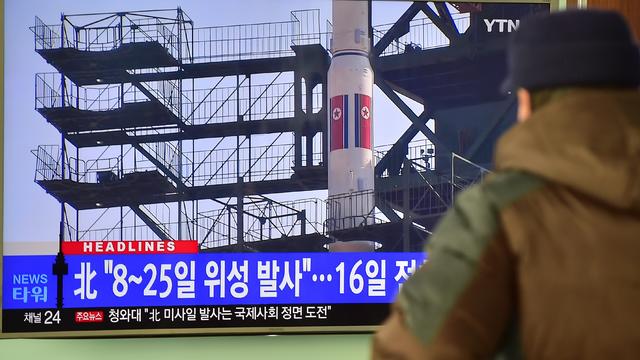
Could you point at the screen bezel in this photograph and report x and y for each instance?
(555, 5)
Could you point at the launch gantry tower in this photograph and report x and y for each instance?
(169, 131)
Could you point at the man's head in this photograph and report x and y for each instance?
(551, 53)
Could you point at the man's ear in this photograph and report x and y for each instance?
(524, 105)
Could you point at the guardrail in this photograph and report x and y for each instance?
(263, 219)
(260, 163)
(465, 173)
(49, 92)
(423, 34)
(105, 32)
(421, 153)
(49, 167)
(254, 41)
(245, 103)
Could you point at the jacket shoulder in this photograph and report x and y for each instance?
(503, 188)
(475, 213)
(455, 249)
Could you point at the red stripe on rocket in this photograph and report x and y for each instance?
(365, 118)
(338, 122)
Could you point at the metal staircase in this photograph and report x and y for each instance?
(122, 82)
(211, 121)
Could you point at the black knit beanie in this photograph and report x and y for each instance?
(573, 48)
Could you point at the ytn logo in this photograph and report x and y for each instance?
(503, 24)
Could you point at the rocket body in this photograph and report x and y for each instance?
(350, 118)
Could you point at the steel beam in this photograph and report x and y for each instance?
(150, 223)
(445, 24)
(445, 15)
(160, 166)
(398, 29)
(482, 138)
(405, 138)
(406, 110)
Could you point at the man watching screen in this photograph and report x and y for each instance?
(541, 259)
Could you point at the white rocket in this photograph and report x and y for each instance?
(350, 118)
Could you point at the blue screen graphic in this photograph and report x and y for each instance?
(207, 279)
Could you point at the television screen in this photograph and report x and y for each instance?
(239, 167)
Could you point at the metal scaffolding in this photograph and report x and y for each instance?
(168, 131)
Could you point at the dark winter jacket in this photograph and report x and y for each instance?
(543, 258)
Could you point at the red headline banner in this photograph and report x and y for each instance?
(130, 247)
(91, 316)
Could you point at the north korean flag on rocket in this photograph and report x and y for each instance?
(364, 118)
(339, 122)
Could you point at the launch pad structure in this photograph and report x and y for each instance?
(175, 132)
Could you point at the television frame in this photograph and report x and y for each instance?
(555, 5)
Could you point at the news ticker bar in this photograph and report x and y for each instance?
(195, 317)
(130, 247)
(100, 281)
